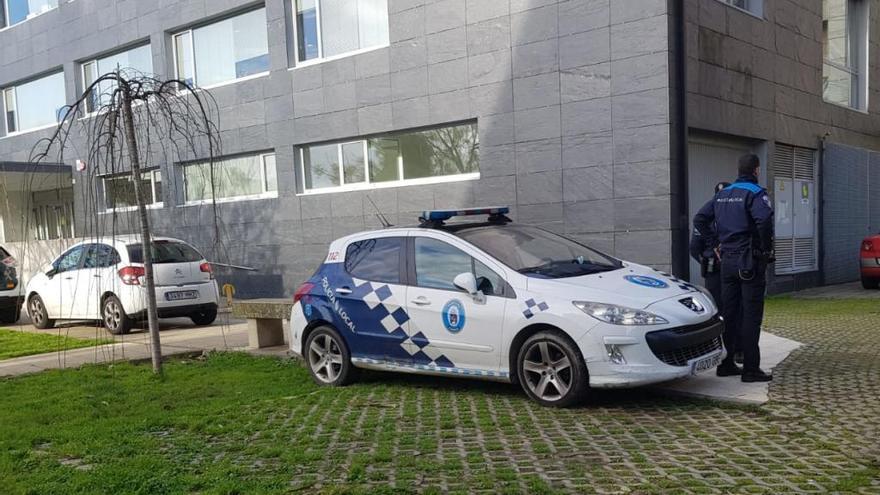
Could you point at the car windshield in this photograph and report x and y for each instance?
(165, 252)
(538, 253)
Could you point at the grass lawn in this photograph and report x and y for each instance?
(15, 343)
(235, 424)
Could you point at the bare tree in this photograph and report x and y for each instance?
(129, 122)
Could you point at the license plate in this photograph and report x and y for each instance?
(181, 295)
(706, 363)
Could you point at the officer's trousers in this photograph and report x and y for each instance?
(743, 309)
(713, 285)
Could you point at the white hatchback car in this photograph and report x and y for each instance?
(102, 279)
(499, 301)
(10, 288)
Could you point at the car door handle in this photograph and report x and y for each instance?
(68, 278)
(343, 290)
(421, 301)
(96, 276)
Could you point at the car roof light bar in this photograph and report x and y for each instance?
(435, 218)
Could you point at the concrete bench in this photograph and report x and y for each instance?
(265, 320)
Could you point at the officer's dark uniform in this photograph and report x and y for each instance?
(743, 220)
(702, 250)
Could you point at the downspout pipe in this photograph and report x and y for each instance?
(680, 221)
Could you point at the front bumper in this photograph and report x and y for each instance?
(654, 356)
(7, 302)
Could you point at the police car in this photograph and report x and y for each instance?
(500, 301)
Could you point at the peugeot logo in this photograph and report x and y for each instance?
(693, 305)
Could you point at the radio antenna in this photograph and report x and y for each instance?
(379, 215)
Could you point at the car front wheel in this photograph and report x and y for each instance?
(113, 316)
(551, 370)
(328, 358)
(39, 315)
(10, 315)
(870, 283)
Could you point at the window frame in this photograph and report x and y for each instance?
(7, 24)
(320, 31)
(153, 205)
(94, 62)
(367, 184)
(14, 89)
(858, 42)
(757, 5)
(266, 194)
(192, 48)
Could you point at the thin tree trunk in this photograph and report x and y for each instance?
(146, 238)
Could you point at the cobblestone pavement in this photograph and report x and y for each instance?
(818, 434)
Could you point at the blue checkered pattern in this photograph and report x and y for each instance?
(533, 307)
(378, 298)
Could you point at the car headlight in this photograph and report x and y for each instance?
(619, 315)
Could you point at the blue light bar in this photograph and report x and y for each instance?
(441, 215)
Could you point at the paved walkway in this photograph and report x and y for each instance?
(850, 290)
(178, 336)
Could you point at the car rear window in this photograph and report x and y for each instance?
(165, 252)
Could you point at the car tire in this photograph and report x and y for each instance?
(328, 358)
(870, 283)
(113, 316)
(10, 315)
(37, 311)
(204, 318)
(551, 370)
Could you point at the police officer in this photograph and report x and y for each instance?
(703, 251)
(743, 219)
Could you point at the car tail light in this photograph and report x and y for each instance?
(206, 268)
(303, 290)
(867, 245)
(9, 261)
(131, 275)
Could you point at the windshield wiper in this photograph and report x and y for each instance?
(595, 267)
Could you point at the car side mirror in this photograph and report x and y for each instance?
(49, 270)
(468, 283)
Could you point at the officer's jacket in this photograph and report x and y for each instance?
(702, 246)
(742, 216)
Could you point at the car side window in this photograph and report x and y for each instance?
(69, 260)
(377, 260)
(438, 263)
(100, 256)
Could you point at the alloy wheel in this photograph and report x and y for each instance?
(36, 311)
(112, 315)
(547, 371)
(325, 358)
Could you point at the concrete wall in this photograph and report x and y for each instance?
(571, 99)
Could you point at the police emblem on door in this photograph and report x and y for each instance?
(453, 316)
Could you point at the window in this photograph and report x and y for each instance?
(224, 51)
(34, 104)
(330, 28)
(755, 7)
(538, 253)
(243, 177)
(396, 159)
(438, 263)
(69, 260)
(130, 62)
(16, 11)
(100, 256)
(377, 260)
(794, 182)
(165, 252)
(845, 50)
(53, 221)
(119, 190)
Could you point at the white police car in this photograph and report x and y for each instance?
(499, 301)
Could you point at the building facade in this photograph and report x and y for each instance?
(601, 119)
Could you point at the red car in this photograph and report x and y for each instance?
(870, 258)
